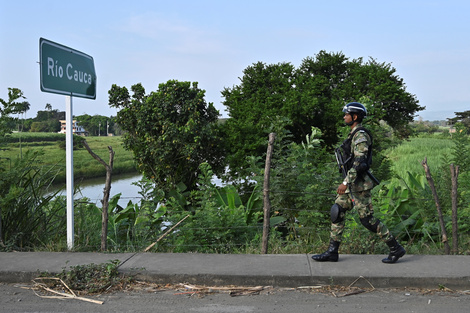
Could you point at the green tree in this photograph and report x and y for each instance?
(46, 121)
(97, 125)
(386, 91)
(39, 127)
(330, 80)
(462, 117)
(322, 87)
(264, 94)
(12, 106)
(43, 116)
(49, 126)
(171, 131)
(423, 127)
(312, 95)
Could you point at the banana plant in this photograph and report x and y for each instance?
(228, 198)
(136, 221)
(404, 207)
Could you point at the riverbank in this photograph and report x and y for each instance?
(92, 188)
(52, 154)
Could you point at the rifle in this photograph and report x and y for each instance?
(342, 163)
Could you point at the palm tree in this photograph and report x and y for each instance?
(21, 108)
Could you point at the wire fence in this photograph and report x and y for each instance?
(321, 228)
(298, 193)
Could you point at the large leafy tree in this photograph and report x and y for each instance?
(171, 131)
(321, 86)
(264, 95)
(311, 95)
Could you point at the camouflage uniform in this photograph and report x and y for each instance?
(359, 190)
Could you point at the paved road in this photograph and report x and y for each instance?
(389, 288)
(15, 299)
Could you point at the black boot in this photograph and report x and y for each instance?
(396, 251)
(330, 255)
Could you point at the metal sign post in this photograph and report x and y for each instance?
(69, 170)
(71, 73)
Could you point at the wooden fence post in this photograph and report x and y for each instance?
(106, 191)
(266, 202)
(424, 163)
(454, 174)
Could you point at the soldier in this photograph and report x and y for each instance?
(356, 188)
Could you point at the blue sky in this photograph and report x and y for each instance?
(212, 42)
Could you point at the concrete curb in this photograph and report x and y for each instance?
(279, 270)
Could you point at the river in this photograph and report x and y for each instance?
(93, 188)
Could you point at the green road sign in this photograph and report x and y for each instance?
(66, 71)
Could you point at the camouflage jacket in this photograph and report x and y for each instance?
(361, 142)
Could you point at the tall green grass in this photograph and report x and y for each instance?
(407, 157)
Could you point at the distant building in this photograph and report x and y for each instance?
(77, 130)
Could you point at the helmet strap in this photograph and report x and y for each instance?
(352, 119)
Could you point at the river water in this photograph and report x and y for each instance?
(93, 188)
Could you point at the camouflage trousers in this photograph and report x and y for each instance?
(363, 205)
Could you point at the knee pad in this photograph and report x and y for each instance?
(337, 215)
(369, 224)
